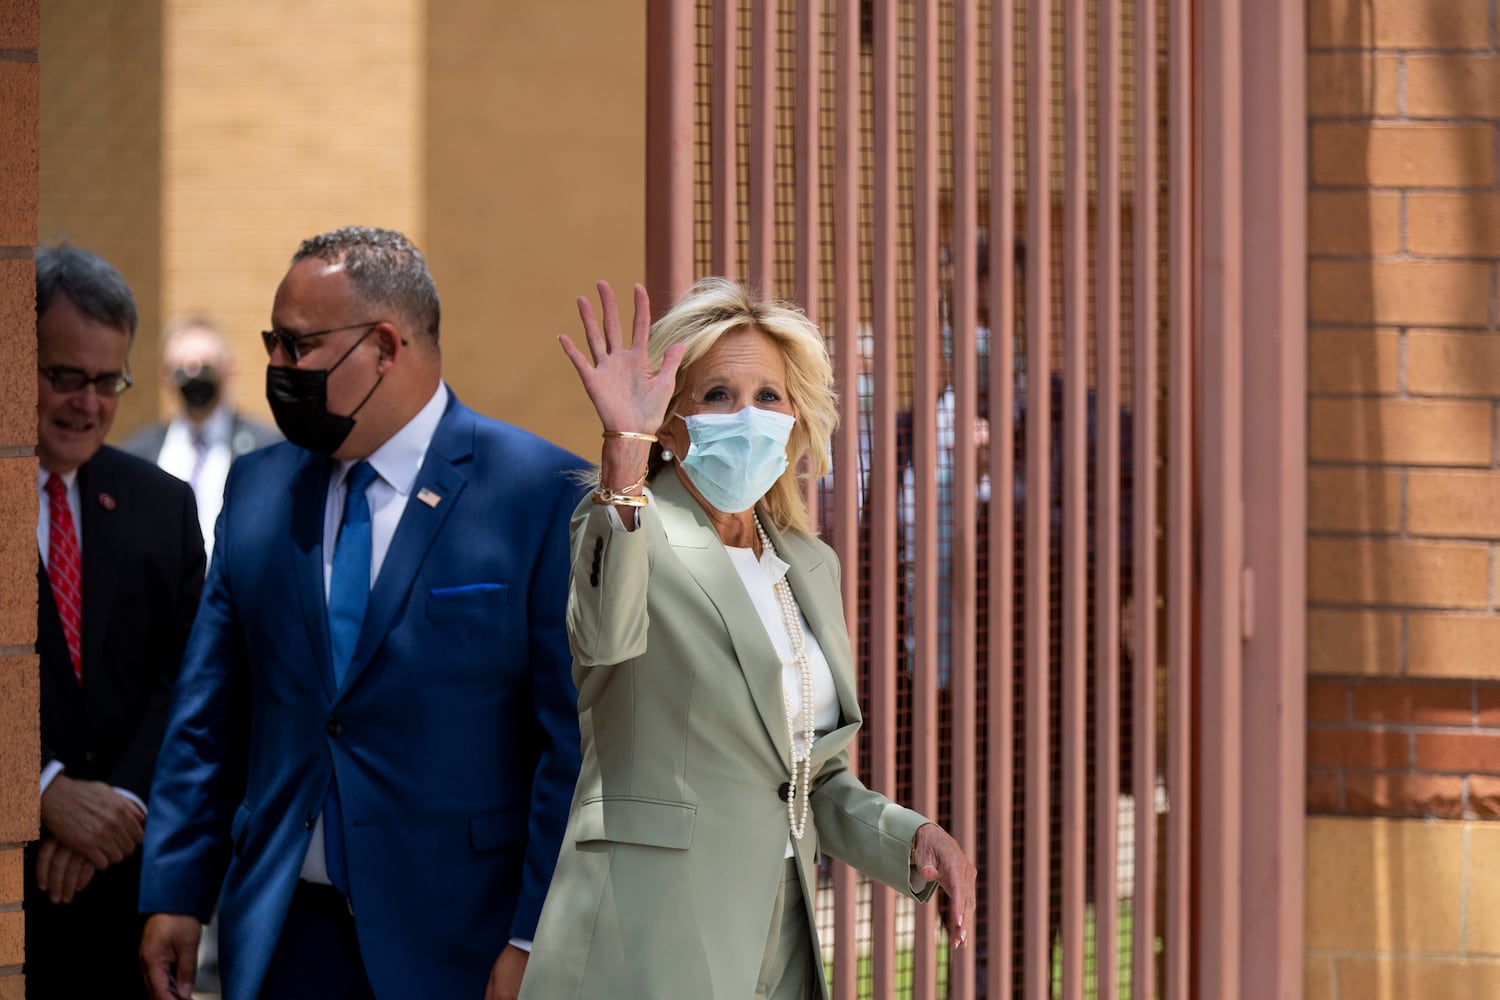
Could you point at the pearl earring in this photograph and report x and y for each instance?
(666, 454)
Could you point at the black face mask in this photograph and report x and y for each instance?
(198, 391)
(299, 402)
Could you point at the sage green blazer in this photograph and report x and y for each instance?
(677, 836)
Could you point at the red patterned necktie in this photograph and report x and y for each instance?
(64, 570)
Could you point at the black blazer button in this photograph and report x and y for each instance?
(594, 579)
(311, 820)
(785, 791)
(90, 756)
(598, 545)
(335, 727)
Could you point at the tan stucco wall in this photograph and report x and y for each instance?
(1402, 909)
(281, 119)
(506, 139)
(101, 142)
(535, 189)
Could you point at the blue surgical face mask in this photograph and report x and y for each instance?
(733, 459)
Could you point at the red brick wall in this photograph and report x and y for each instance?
(1404, 748)
(20, 22)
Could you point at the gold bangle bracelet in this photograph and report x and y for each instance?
(605, 495)
(632, 435)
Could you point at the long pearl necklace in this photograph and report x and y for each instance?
(801, 762)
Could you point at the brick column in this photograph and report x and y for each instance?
(20, 22)
(1404, 379)
(1403, 706)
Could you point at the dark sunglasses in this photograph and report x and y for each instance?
(65, 379)
(291, 343)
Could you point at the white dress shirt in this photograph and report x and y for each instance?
(179, 456)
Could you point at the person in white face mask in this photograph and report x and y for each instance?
(715, 676)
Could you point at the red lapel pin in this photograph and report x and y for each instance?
(106, 501)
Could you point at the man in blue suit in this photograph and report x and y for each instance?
(374, 740)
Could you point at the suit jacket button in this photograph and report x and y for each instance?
(598, 545)
(311, 820)
(594, 579)
(90, 756)
(785, 791)
(335, 727)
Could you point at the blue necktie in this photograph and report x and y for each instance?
(348, 593)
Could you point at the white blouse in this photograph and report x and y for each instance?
(760, 578)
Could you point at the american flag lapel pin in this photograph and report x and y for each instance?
(428, 497)
(106, 501)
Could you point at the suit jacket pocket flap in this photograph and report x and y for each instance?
(633, 820)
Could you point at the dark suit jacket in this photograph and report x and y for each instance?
(142, 574)
(454, 735)
(245, 435)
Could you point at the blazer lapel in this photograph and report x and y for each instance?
(309, 502)
(419, 525)
(811, 585)
(697, 546)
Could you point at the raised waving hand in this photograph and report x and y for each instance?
(628, 394)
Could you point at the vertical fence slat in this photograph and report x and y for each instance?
(1144, 492)
(1220, 449)
(1107, 507)
(762, 207)
(1075, 496)
(1000, 748)
(964, 541)
(809, 159)
(669, 156)
(1038, 966)
(1275, 296)
(882, 516)
(1181, 608)
(808, 172)
(724, 136)
(849, 471)
(924, 496)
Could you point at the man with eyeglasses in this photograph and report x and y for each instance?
(373, 749)
(120, 571)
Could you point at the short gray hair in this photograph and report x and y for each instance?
(89, 282)
(385, 269)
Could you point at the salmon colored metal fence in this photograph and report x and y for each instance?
(1064, 469)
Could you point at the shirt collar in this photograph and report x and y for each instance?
(774, 565)
(42, 475)
(399, 459)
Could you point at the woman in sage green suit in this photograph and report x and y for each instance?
(715, 678)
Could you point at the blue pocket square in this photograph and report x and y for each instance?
(468, 588)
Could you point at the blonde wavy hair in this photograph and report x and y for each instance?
(714, 307)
